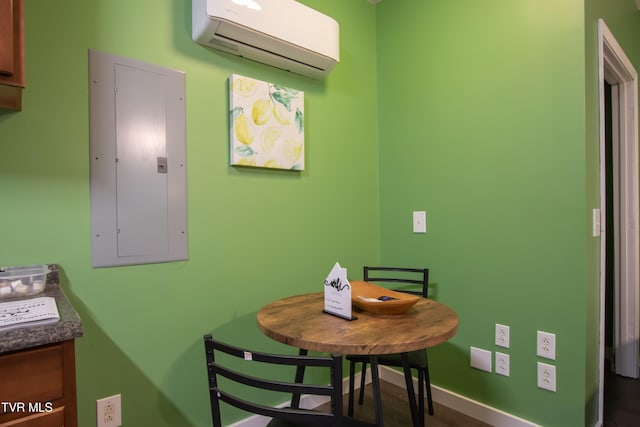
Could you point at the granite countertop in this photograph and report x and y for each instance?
(69, 326)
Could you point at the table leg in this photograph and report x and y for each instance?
(352, 373)
(295, 399)
(377, 395)
(410, 391)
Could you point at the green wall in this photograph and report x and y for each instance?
(254, 235)
(484, 114)
(487, 123)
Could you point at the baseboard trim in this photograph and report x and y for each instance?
(457, 402)
(462, 404)
(307, 402)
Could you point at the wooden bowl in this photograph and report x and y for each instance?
(365, 296)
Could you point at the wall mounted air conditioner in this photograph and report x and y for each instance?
(282, 33)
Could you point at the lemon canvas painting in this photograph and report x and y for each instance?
(267, 124)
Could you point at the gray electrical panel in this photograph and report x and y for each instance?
(137, 161)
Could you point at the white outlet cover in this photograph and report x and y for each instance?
(502, 335)
(502, 364)
(546, 345)
(102, 404)
(546, 376)
(481, 359)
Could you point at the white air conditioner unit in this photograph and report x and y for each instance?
(282, 33)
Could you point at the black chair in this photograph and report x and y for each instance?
(409, 278)
(239, 379)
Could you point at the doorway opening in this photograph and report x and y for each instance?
(620, 271)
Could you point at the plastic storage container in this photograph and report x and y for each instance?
(23, 280)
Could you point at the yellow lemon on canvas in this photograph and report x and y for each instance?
(241, 129)
(243, 86)
(269, 138)
(261, 111)
(247, 161)
(281, 114)
(273, 163)
(292, 150)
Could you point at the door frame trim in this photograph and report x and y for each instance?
(615, 67)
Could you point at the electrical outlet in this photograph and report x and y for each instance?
(108, 412)
(502, 364)
(502, 335)
(546, 376)
(547, 345)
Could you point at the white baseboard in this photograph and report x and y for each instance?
(462, 404)
(452, 400)
(307, 402)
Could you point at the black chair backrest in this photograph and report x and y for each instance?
(217, 391)
(416, 276)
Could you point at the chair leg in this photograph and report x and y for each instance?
(295, 399)
(377, 394)
(352, 380)
(363, 374)
(421, 386)
(410, 391)
(427, 382)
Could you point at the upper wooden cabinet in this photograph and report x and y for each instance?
(11, 54)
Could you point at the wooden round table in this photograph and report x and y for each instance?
(299, 321)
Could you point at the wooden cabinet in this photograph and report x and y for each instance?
(51, 419)
(38, 387)
(11, 54)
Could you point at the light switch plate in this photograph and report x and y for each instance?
(596, 222)
(481, 359)
(419, 222)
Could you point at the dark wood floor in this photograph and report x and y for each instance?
(621, 401)
(395, 409)
(621, 406)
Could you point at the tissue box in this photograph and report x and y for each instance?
(23, 280)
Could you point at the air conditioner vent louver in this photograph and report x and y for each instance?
(234, 47)
(221, 44)
(282, 33)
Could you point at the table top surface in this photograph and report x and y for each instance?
(300, 322)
